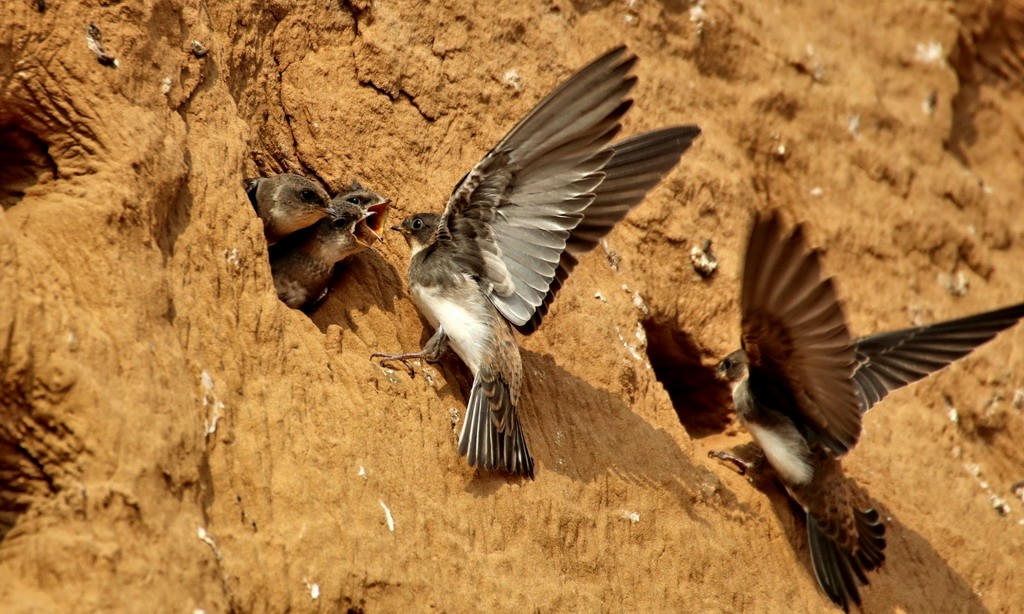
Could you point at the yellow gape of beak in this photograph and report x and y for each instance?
(362, 224)
(376, 225)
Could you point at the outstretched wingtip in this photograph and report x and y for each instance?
(619, 51)
(891, 360)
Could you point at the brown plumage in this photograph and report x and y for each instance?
(286, 203)
(793, 390)
(801, 384)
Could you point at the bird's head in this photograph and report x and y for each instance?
(287, 203)
(419, 229)
(733, 368)
(372, 204)
(339, 233)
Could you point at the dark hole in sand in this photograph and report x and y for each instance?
(702, 403)
(24, 161)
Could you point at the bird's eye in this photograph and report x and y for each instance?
(727, 364)
(309, 196)
(417, 224)
(353, 200)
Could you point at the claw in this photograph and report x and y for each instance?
(742, 466)
(402, 358)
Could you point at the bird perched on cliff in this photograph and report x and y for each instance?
(801, 385)
(302, 264)
(511, 234)
(286, 203)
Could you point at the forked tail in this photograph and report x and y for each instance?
(838, 572)
(492, 434)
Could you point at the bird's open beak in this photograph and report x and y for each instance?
(362, 231)
(376, 219)
(372, 224)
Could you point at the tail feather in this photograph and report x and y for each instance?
(870, 539)
(492, 434)
(839, 572)
(832, 568)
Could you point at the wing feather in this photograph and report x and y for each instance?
(891, 360)
(550, 122)
(635, 166)
(520, 202)
(795, 335)
(553, 187)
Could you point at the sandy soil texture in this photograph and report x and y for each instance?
(174, 438)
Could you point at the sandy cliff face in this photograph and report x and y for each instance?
(173, 437)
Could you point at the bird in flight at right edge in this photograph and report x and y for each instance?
(801, 385)
(512, 231)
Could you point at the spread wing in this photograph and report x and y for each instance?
(636, 166)
(889, 361)
(513, 213)
(801, 357)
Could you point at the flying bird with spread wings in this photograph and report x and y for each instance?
(512, 232)
(801, 385)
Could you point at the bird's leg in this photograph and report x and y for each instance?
(431, 352)
(743, 464)
(435, 347)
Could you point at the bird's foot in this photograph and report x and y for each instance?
(744, 466)
(402, 358)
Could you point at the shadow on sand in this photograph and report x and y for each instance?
(363, 281)
(587, 432)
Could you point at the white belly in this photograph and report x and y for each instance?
(466, 319)
(786, 451)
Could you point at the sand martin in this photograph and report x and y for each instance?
(512, 231)
(801, 384)
(286, 203)
(303, 263)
